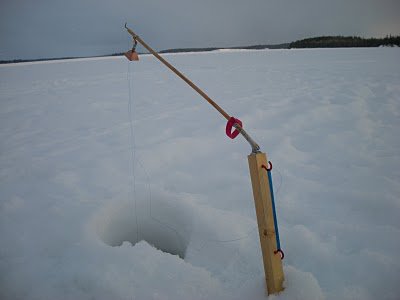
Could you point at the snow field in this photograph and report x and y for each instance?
(71, 214)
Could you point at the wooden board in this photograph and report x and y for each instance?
(266, 229)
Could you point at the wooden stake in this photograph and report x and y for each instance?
(265, 219)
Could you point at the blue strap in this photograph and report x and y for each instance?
(278, 242)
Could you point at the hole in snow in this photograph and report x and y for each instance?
(117, 223)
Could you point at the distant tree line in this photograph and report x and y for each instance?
(315, 42)
(345, 41)
(252, 47)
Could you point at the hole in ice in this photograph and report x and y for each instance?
(117, 223)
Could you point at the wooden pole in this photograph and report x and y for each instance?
(265, 219)
(254, 146)
(183, 77)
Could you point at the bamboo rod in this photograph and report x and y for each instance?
(183, 77)
(254, 146)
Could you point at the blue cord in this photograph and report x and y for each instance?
(278, 242)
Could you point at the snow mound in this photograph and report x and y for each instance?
(118, 222)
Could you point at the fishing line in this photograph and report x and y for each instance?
(251, 231)
(134, 160)
(165, 225)
(132, 141)
(203, 240)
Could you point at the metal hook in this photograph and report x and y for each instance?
(134, 44)
(134, 38)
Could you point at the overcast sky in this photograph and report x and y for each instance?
(56, 28)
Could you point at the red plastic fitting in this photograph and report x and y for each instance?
(231, 122)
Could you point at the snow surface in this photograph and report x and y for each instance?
(79, 221)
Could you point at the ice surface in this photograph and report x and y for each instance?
(75, 224)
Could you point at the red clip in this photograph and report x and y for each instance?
(269, 168)
(232, 121)
(282, 255)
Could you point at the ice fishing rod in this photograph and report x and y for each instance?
(261, 182)
(232, 121)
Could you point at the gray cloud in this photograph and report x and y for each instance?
(54, 28)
